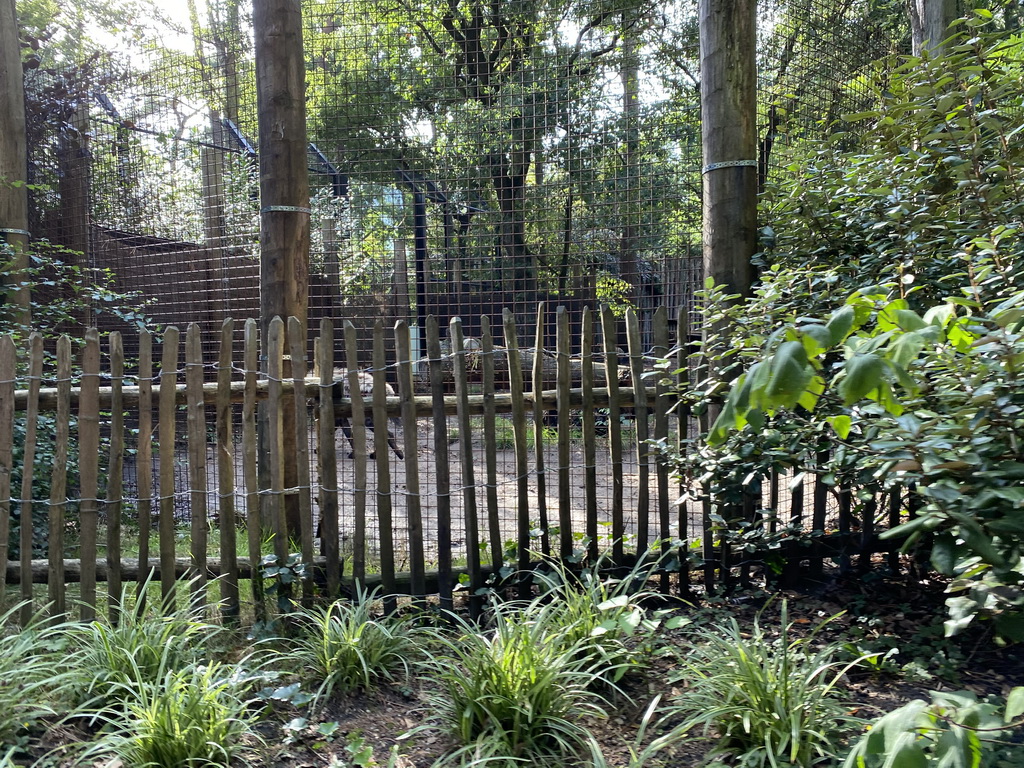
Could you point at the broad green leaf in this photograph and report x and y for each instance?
(863, 374)
(790, 374)
(841, 424)
(840, 324)
(944, 554)
(812, 393)
(940, 315)
(905, 348)
(816, 339)
(1015, 704)
(909, 320)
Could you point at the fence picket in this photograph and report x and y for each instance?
(403, 348)
(538, 433)
(636, 370)
(230, 608)
(115, 475)
(88, 470)
(276, 513)
(476, 580)
(441, 466)
(197, 475)
(682, 380)
(662, 404)
(563, 352)
(250, 469)
(58, 483)
(144, 461)
(490, 444)
(8, 371)
(589, 420)
(358, 427)
(385, 523)
(609, 333)
(327, 459)
(35, 374)
(297, 348)
(515, 379)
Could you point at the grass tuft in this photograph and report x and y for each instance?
(770, 701)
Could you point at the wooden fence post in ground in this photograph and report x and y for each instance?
(297, 348)
(403, 348)
(609, 333)
(663, 403)
(115, 477)
(88, 468)
(58, 483)
(276, 513)
(358, 427)
(229, 597)
(468, 476)
(384, 498)
(35, 374)
(144, 460)
(197, 475)
(8, 367)
(441, 466)
(490, 444)
(538, 433)
(250, 471)
(682, 381)
(515, 380)
(636, 369)
(563, 353)
(328, 461)
(589, 430)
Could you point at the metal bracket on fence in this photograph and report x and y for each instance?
(9, 231)
(285, 209)
(729, 164)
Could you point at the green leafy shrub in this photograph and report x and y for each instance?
(954, 730)
(771, 701)
(912, 381)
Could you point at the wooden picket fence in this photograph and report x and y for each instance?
(284, 488)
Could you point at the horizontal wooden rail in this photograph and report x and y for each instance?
(342, 406)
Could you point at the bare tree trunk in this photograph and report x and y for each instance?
(929, 23)
(728, 114)
(13, 154)
(284, 189)
(629, 269)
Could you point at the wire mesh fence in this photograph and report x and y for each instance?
(464, 157)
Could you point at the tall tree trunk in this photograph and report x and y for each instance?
(929, 23)
(284, 189)
(728, 130)
(629, 269)
(13, 154)
(508, 175)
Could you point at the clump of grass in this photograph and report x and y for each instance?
(346, 646)
(192, 717)
(771, 702)
(109, 661)
(600, 614)
(32, 683)
(517, 691)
